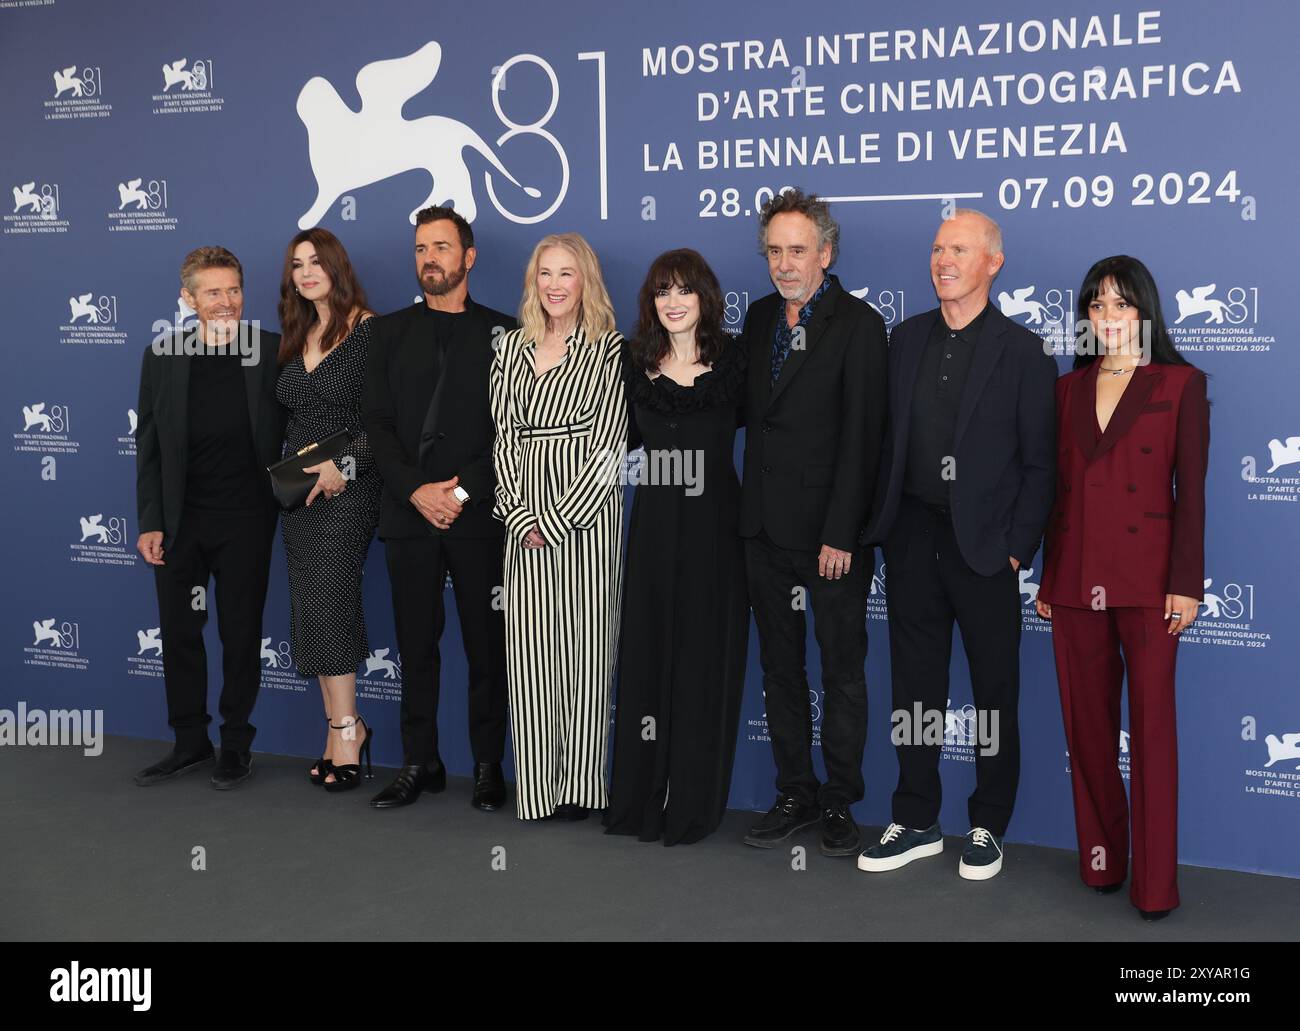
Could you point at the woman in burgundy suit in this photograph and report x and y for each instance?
(1122, 578)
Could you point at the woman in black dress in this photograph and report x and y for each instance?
(325, 340)
(685, 624)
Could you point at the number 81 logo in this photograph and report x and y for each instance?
(537, 128)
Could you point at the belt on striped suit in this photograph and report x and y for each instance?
(577, 429)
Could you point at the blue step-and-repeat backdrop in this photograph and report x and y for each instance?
(137, 130)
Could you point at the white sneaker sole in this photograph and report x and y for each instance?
(980, 873)
(900, 860)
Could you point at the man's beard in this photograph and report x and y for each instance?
(790, 291)
(436, 287)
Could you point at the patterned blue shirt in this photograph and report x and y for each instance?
(784, 340)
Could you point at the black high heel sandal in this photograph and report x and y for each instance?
(348, 776)
(321, 770)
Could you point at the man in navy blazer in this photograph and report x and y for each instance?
(967, 483)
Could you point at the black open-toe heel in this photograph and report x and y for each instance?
(321, 770)
(348, 776)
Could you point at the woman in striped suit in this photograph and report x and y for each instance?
(561, 424)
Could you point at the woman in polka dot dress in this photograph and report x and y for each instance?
(324, 321)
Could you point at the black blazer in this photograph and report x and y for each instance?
(162, 427)
(1004, 440)
(812, 441)
(407, 388)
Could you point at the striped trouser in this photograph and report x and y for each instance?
(562, 606)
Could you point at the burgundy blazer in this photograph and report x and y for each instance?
(1118, 522)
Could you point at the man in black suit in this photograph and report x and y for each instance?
(427, 415)
(208, 426)
(969, 479)
(815, 416)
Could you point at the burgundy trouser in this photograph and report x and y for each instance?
(1090, 669)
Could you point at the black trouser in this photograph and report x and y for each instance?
(417, 570)
(234, 549)
(928, 586)
(839, 610)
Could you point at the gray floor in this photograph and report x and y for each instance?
(89, 856)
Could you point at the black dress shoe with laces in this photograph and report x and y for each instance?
(489, 787)
(175, 764)
(840, 835)
(781, 821)
(233, 768)
(409, 782)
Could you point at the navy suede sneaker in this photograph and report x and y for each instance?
(899, 845)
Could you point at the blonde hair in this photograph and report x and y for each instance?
(595, 311)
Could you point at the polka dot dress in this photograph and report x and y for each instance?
(326, 543)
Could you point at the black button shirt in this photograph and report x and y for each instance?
(940, 380)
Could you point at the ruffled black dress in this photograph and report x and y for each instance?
(685, 630)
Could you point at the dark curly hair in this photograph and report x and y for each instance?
(684, 267)
(794, 201)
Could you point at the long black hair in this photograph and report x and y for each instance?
(683, 267)
(1134, 283)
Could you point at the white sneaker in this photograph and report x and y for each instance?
(981, 856)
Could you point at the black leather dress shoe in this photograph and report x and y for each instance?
(570, 812)
(174, 764)
(409, 782)
(1107, 889)
(489, 787)
(1152, 915)
(781, 821)
(839, 833)
(232, 768)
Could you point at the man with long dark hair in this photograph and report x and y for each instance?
(427, 415)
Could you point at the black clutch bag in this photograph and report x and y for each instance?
(290, 484)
